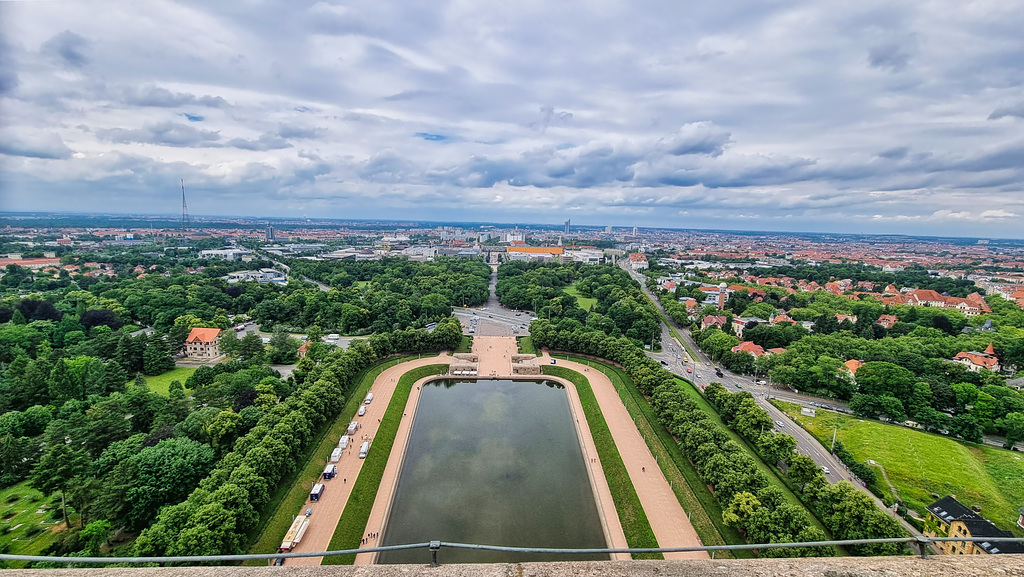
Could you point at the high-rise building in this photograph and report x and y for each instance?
(608, 229)
(634, 231)
(567, 223)
(270, 233)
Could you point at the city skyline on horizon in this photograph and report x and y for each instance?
(210, 220)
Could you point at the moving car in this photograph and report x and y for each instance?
(779, 423)
(826, 471)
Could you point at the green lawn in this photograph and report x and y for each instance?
(353, 521)
(631, 513)
(919, 464)
(288, 500)
(584, 302)
(160, 383)
(466, 345)
(526, 346)
(19, 507)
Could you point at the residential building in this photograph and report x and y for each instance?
(638, 261)
(948, 517)
(713, 321)
(202, 343)
(263, 275)
(749, 347)
(976, 361)
(887, 321)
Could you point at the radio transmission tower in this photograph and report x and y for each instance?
(184, 210)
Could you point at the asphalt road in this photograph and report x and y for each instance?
(704, 373)
(493, 319)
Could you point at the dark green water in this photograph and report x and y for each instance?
(493, 462)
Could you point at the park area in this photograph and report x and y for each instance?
(583, 302)
(919, 464)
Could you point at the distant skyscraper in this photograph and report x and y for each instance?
(270, 233)
(608, 229)
(634, 231)
(567, 223)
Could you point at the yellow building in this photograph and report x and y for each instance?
(948, 517)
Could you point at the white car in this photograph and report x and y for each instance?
(362, 410)
(826, 471)
(779, 424)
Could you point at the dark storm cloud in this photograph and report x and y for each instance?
(67, 48)
(163, 133)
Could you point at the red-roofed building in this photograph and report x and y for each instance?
(638, 261)
(976, 361)
(202, 343)
(841, 317)
(775, 351)
(713, 321)
(783, 318)
(303, 350)
(852, 365)
(887, 321)
(749, 347)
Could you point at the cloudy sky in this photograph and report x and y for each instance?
(868, 116)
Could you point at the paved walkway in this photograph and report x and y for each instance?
(327, 511)
(668, 520)
(493, 352)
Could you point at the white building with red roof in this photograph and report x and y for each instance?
(976, 361)
(202, 343)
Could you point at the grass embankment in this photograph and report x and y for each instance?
(771, 472)
(353, 521)
(526, 345)
(23, 529)
(693, 494)
(634, 521)
(160, 383)
(919, 464)
(465, 345)
(289, 498)
(584, 302)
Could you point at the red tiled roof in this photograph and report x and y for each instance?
(202, 335)
(749, 347)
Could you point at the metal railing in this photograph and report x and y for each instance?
(921, 542)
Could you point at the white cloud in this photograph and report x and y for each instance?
(894, 117)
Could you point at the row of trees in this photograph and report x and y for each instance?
(749, 501)
(219, 515)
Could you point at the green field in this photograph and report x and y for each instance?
(526, 346)
(288, 500)
(919, 464)
(466, 345)
(353, 521)
(584, 302)
(160, 383)
(634, 521)
(19, 507)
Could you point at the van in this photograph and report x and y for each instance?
(352, 428)
(364, 449)
(369, 397)
(343, 442)
(361, 411)
(336, 455)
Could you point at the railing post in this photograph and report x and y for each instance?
(922, 544)
(434, 546)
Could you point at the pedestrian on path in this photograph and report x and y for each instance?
(643, 469)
